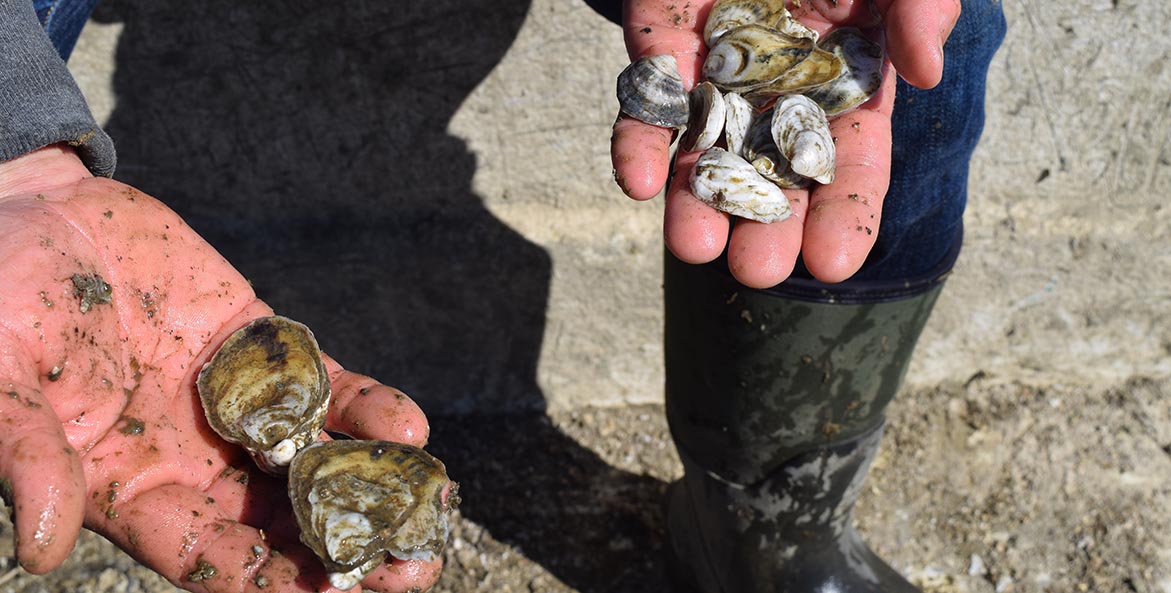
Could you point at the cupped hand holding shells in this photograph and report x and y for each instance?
(109, 306)
(832, 226)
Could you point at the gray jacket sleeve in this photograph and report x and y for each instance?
(40, 103)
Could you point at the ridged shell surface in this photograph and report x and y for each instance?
(737, 119)
(861, 77)
(358, 501)
(790, 26)
(730, 184)
(814, 71)
(726, 15)
(801, 131)
(752, 56)
(761, 150)
(651, 90)
(267, 390)
(707, 118)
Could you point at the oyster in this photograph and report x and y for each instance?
(737, 120)
(861, 77)
(707, 118)
(358, 501)
(267, 390)
(761, 150)
(726, 15)
(651, 90)
(730, 184)
(801, 131)
(814, 71)
(790, 26)
(752, 56)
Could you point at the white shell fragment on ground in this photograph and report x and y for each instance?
(358, 501)
(730, 184)
(707, 118)
(651, 90)
(267, 390)
(751, 56)
(801, 131)
(861, 77)
(726, 15)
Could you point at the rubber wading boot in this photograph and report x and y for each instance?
(776, 404)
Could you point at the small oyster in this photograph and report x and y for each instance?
(737, 119)
(651, 90)
(801, 131)
(267, 390)
(707, 118)
(752, 56)
(358, 501)
(790, 26)
(861, 77)
(762, 151)
(726, 15)
(814, 71)
(730, 184)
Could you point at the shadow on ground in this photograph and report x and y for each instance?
(308, 144)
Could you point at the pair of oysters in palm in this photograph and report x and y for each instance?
(267, 390)
(769, 87)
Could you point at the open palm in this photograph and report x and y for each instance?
(833, 226)
(102, 422)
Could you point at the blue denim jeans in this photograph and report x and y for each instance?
(63, 21)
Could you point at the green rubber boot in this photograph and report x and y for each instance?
(776, 405)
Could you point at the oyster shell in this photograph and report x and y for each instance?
(801, 131)
(358, 501)
(861, 77)
(651, 90)
(814, 71)
(730, 184)
(707, 118)
(737, 119)
(790, 26)
(267, 390)
(761, 150)
(726, 15)
(752, 56)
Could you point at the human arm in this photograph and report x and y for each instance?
(835, 225)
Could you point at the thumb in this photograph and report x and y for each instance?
(41, 477)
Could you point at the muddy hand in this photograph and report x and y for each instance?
(834, 226)
(109, 306)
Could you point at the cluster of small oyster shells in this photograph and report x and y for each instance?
(267, 390)
(769, 88)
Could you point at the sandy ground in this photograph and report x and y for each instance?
(978, 488)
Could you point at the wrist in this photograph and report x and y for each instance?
(41, 170)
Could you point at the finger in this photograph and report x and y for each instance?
(916, 31)
(366, 409)
(763, 255)
(640, 152)
(400, 575)
(842, 223)
(695, 232)
(180, 533)
(41, 476)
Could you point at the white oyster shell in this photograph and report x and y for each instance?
(737, 119)
(730, 184)
(651, 90)
(801, 131)
(726, 15)
(707, 118)
(762, 151)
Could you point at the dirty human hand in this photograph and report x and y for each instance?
(109, 306)
(829, 223)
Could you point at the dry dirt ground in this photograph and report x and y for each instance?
(978, 488)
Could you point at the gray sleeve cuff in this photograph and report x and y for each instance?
(40, 103)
